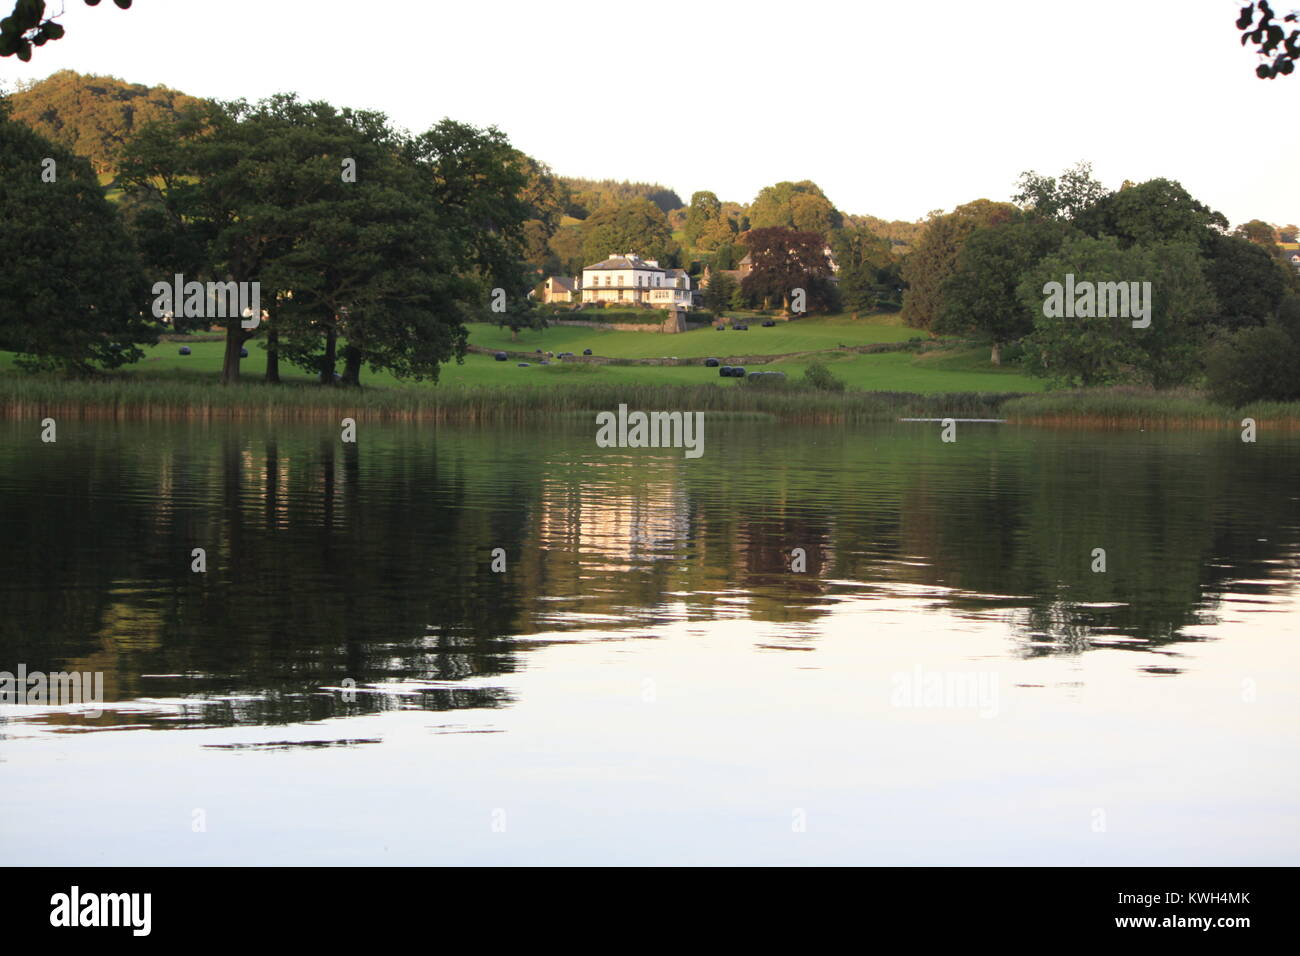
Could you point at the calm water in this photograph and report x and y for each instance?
(648, 681)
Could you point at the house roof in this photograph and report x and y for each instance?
(622, 262)
(564, 282)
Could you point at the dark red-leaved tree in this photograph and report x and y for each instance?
(785, 260)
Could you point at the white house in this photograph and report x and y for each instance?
(630, 280)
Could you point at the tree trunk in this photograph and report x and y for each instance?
(331, 357)
(996, 357)
(272, 356)
(351, 365)
(230, 363)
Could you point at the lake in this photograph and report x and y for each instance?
(460, 645)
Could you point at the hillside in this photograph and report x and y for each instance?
(93, 115)
(588, 195)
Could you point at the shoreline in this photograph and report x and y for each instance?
(33, 398)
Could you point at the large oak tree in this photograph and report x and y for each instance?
(72, 292)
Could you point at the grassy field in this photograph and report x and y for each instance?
(926, 373)
(943, 381)
(923, 373)
(891, 371)
(805, 335)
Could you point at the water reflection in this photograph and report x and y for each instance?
(345, 580)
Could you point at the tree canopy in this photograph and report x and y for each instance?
(637, 226)
(72, 292)
(94, 116)
(867, 268)
(587, 196)
(785, 260)
(1159, 209)
(1249, 283)
(935, 257)
(800, 206)
(981, 295)
(361, 234)
(708, 226)
(1064, 198)
(1104, 348)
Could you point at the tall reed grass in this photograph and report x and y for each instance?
(1122, 407)
(29, 397)
(42, 396)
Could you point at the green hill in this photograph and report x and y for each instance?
(93, 115)
(588, 195)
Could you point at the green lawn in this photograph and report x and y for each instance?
(966, 371)
(891, 371)
(925, 373)
(805, 335)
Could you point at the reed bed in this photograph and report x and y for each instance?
(39, 397)
(1128, 407)
(34, 397)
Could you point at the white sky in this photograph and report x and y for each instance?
(891, 111)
